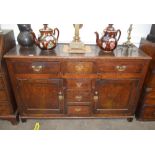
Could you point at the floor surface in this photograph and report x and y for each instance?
(80, 124)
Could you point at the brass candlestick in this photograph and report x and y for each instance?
(128, 42)
(76, 43)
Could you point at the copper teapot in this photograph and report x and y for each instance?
(47, 39)
(108, 42)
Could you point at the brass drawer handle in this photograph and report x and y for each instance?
(96, 96)
(78, 98)
(37, 68)
(121, 68)
(61, 96)
(148, 89)
(79, 68)
(77, 109)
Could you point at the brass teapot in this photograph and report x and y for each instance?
(108, 42)
(47, 39)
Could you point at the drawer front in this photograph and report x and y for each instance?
(1, 83)
(4, 110)
(78, 110)
(150, 93)
(119, 67)
(75, 96)
(37, 67)
(79, 84)
(149, 112)
(78, 67)
(3, 96)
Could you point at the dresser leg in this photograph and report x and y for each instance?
(23, 120)
(129, 119)
(14, 122)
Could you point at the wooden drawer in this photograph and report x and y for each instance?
(78, 110)
(1, 83)
(37, 67)
(151, 81)
(4, 110)
(79, 84)
(150, 92)
(149, 112)
(119, 67)
(3, 95)
(78, 96)
(78, 67)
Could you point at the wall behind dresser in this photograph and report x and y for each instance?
(87, 32)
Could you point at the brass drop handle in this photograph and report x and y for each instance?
(79, 68)
(96, 96)
(77, 109)
(37, 68)
(148, 89)
(61, 96)
(121, 68)
(79, 98)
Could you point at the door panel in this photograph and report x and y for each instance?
(40, 96)
(115, 96)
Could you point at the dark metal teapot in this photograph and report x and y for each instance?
(108, 42)
(47, 39)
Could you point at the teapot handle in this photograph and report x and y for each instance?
(56, 29)
(118, 31)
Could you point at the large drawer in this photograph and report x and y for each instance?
(79, 84)
(1, 83)
(78, 67)
(119, 67)
(3, 96)
(36, 67)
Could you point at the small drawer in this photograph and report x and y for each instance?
(149, 112)
(3, 96)
(79, 84)
(78, 67)
(150, 92)
(119, 67)
(37, 67)
(76, 96)
(1, 83)
(4, 110)
(78, 110)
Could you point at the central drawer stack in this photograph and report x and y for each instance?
(56, 86)
(78, 90)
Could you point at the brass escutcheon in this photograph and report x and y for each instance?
(79, 84)
(79, 67)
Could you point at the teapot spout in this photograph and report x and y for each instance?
(97, 37)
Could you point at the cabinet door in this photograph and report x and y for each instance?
(115, 97)
(40, 96)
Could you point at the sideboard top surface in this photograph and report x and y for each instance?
(34, 52)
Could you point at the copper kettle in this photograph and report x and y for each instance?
(108, 42)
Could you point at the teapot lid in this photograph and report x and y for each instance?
(45, 28)
(110, 28)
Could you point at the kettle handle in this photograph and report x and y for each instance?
(56, 29)
(118, 31)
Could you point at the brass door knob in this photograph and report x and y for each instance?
(96, 96)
